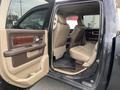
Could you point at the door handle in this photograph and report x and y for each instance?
(28, 46)
(20, 50)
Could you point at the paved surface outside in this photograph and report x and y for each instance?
(52, 84)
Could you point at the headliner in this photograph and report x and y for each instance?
(80, 9)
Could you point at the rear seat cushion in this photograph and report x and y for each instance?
(92, 58)
(82, 53)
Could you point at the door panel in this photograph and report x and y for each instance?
(24, 58)
(22, 43)
(23, 52)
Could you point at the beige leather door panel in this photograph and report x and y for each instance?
(24, 56)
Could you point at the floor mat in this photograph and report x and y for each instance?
(89, 74)
(65, 62)
(77, 68)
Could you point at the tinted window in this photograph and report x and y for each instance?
(19, 7)
(92, 21)
(34, 21)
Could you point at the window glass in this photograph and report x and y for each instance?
(92, 21)
(18, 8)
(72, 21)
(34, 21)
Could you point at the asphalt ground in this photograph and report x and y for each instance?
(48, 83)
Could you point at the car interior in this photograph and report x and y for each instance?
(26, 47)
(75, 49)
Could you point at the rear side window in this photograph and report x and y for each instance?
(19, 7)
(92, 21)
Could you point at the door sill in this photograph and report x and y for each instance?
(66, 79)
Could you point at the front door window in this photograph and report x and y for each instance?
(19, 7)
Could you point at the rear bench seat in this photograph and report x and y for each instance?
(86, 54)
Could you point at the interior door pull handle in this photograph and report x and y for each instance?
(28, 46)
(20, 50)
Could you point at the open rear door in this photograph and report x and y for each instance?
(24, 56)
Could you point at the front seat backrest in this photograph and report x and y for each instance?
(61, 32)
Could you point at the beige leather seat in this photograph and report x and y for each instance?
(85, 54)
(61, 32)
(78, 34)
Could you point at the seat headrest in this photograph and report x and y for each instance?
(61, 19)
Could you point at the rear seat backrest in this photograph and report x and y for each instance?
(78, 37)
(78, 34)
